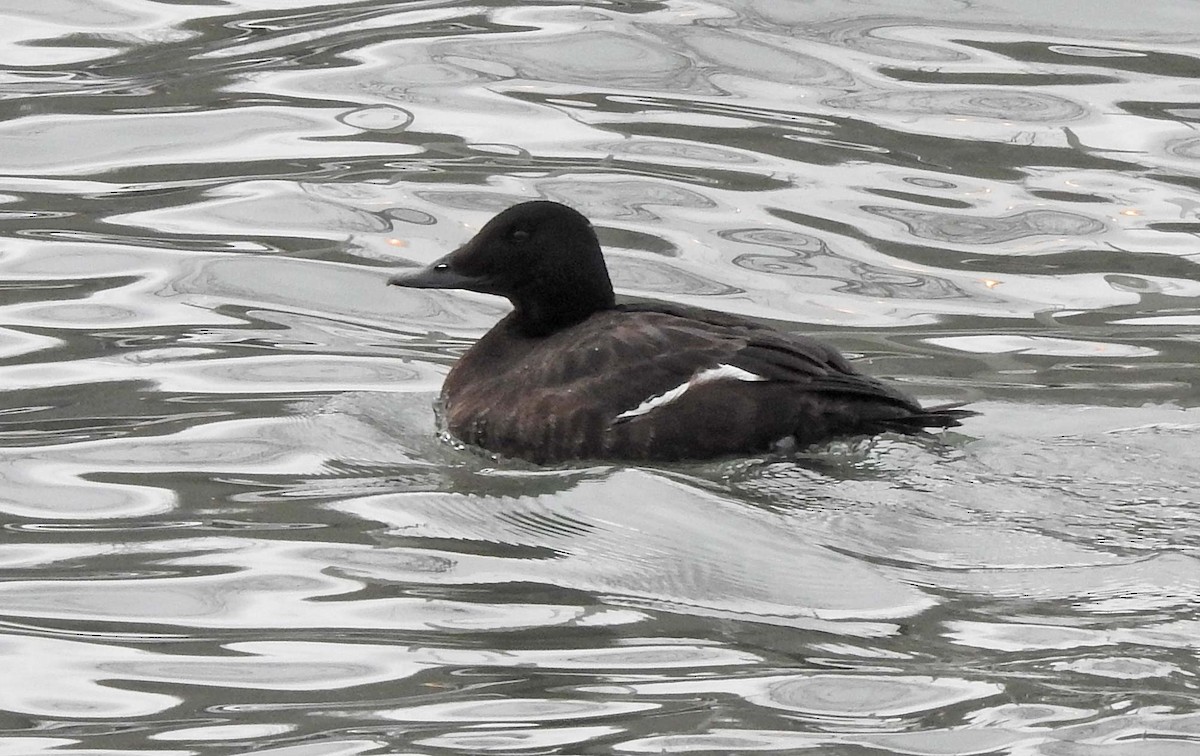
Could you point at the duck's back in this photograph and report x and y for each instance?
(664, 383)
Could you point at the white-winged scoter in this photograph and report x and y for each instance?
(570, 374)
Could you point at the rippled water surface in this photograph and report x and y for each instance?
(229, 525)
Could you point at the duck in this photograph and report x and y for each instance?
(570, 374)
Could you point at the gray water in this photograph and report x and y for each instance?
(229, 526)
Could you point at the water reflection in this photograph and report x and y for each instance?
(1031, 107)
(981, 230)
(810, 257)
(229, 518)
(587, 538)
(603, 58)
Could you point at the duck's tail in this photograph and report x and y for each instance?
(938, 416)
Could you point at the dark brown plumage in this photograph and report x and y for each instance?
(569, 374)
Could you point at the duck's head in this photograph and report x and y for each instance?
(542, 256)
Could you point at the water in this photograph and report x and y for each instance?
(229, 526)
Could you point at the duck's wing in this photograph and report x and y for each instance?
(764, 352)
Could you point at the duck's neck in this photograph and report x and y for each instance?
(541, 316)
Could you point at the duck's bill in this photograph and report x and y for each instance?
(439, 275)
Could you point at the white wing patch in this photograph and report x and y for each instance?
(704, 376)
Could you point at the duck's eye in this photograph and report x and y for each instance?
(442, 266)
(519, 235)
